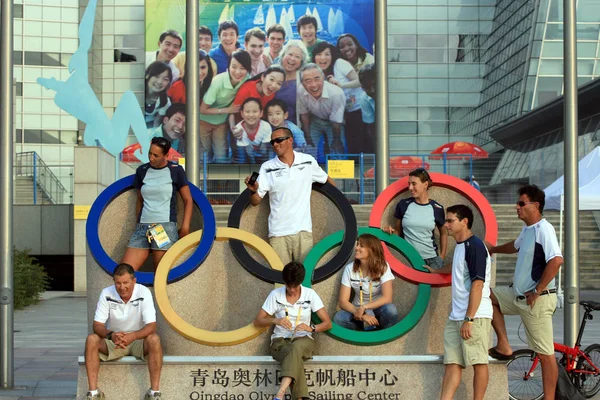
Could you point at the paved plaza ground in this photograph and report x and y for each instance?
(50, 336)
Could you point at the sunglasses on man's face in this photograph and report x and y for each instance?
(279, 140)
(522, 203)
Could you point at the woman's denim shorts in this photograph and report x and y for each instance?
(139, 239)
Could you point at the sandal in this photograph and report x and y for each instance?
(493, 352)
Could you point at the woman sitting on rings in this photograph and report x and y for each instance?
(289, 309)
(418, 216)
(370, 279)
(157, 184)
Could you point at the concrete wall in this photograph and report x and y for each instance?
(46, 229)
(94, 172)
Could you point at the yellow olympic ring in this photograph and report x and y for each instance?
(202, 336)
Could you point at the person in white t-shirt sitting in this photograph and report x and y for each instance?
(288, 178)
(124, 324)
(467, 330)
(370, 279)
(289, 309)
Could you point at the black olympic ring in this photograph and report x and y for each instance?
(329, 268)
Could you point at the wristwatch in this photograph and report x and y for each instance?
(535, 291)
(469, 319)
(314, 328)
(109, 336)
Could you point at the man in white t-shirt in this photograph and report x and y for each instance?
(169, 44)
(288, 178)
(532, 295)
(467, 330)
(124, 324)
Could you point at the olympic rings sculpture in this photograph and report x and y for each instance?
(186, 330)
(378, 336)
(441, 180)
(325, 271)
(147, 278)
(203, 241)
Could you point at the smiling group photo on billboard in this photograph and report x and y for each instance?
(306, 66)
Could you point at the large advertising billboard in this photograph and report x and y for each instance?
(303, 65)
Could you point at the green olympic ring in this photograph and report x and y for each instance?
(403, 326)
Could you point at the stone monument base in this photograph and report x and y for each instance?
(254, 378)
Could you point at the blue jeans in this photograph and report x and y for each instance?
(322, 128)
(387, 315)
(435, 262)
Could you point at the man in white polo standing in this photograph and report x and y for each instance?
(288, 178)
(124, 324)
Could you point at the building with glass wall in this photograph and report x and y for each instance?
(458, 69)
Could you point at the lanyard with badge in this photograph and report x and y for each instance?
(361, 287)
(157, 233)
(366, 326)
(287, 316)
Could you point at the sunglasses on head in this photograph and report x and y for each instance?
(279, 140)
(522, 203)
(159, 141)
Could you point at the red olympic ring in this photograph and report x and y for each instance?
(448, 182)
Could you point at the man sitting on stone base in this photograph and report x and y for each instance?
(124, 324)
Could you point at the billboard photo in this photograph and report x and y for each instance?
(306, 66)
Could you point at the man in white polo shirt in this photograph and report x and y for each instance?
(532, 295)
(321, 106)
(124, 324)
(467, 330)
(288, 178)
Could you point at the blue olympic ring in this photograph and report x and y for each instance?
(209, 231)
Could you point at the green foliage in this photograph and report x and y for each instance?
(31, 279)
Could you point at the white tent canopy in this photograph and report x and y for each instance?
(589, 185)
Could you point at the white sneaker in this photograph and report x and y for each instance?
(99, 395)
(149, 396)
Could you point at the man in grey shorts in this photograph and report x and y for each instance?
(532, 295)
(124, 324)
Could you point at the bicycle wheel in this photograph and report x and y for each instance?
(588, 384)
(524, 384)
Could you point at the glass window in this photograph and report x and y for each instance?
(51, 59)
(19, 88)
(18, 10)
(432, 27)
(129, 41)
(588, 10)
(585, 67)
(552, 49)
(433, 99)
(586, 49)
(587, 31)
(554, 31)
(402, 85)
(406, 27)
(403, 99)
(401, 13)
(403, 127)
(403, 70)
(402, 41)
(33, 58)
(464, 27)
(432, 85)
(433, 70)
(433, 113)
(432, 40)
(402, 55)
(32, 136)
(403, 113)
(433, 128)
(433, 56)
(426, 13)
(463, 13)
(50, 137)
(551, 67)
(68, 137)
(17, 57)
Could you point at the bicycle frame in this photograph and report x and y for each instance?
(571, 355)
